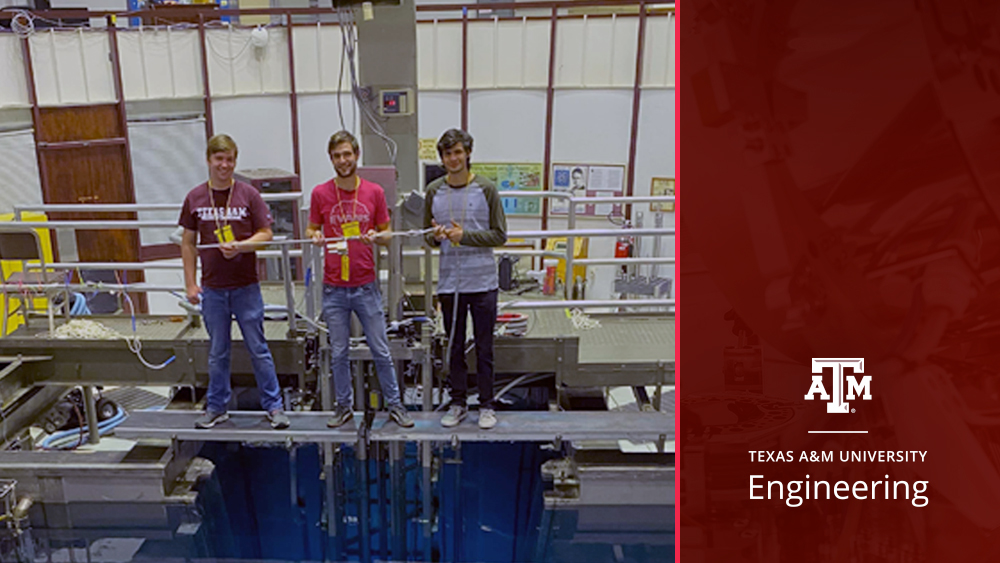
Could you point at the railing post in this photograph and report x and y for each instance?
(568, 282)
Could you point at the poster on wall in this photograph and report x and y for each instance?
(588, 180)
(427, 150)
(514, 177)
(662, 187)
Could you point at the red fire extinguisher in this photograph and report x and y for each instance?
(623, 249)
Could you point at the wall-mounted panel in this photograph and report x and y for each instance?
(658, 61)
(654, 156)
(261, 127)
(508, 54)
(168, 159)
(238, 67)
(13, 88)
(439, 111)
(484, 52)
(508, 125)
(19, 183)
(536, 53)
(160, 62)
(522, 58)
(591, 126)
(319, 117)
(72, 67)
(439, 56)
(596, 52)
(318, 52)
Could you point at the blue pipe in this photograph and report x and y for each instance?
(72, 436)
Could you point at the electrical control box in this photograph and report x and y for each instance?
(396, 102)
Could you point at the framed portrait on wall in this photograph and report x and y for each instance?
(587, 180)
(662, 187)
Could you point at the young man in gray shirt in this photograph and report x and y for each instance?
(468, 221)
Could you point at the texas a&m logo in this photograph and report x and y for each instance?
(845, 387)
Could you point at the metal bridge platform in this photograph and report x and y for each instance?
(519, 426)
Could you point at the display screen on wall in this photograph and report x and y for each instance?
(514, 177)
(588, 180)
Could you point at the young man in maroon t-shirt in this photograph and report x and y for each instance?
(233, 215)
(344, 207)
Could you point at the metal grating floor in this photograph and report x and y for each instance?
(135, 399)
(618, 339)
(526, 426)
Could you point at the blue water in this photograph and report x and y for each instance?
(489, 508)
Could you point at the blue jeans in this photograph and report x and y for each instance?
(218, 307)
(366, 302)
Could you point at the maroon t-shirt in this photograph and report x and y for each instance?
(205, 210)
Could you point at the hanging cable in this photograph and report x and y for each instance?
(90, 330)
(23, 23)
(340, 82)
(347, 23)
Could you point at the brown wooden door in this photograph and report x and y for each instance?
(83, 155)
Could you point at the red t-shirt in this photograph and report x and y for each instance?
(204, 211)
(331, 207)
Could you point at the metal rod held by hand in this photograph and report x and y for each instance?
(411, 233)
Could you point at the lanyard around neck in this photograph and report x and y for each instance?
(465, 203)
(229, 200)
(357, 188)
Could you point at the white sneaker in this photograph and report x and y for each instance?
(454, 416)
(487, 419)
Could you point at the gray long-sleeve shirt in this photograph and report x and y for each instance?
(469, 267)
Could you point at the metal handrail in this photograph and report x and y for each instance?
(141, 287)
(97, 224)
(110, 266)
(570, 233)
(100, 224)
(583, 200)
(138, 287)
(628, 199)
(590, 233)
(159, 265)
(126, 207)
(587, 303)
(500, 249)
(625, 261)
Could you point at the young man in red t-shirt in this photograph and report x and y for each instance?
(232, 214)
(347, 206)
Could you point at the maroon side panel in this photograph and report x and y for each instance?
(841, 199)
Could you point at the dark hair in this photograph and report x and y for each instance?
(575, 170)
(451, 138)
(342, 137)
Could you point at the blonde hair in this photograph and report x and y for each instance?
(221, 143)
